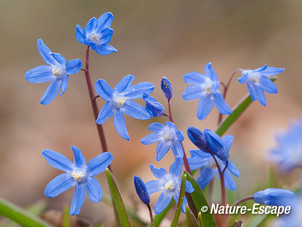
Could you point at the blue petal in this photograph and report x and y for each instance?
(268, 85)
(176, 167)
(206, 175)
(228, 141)
(59, 58)
(40, 74)
(104, 49)
(221, 104)
(192, 92)
(210, 72)
(57, 160)
(216, 145)
(153, 186)
(205, 106)
(162, 202)
(177, 149)
(179, 135)
(156, 127)
(184, 204)
(124, 83)
(91, 25)
(162, 148)
(243, 78)
(59, 185)
(120, 124)
(106, 35)
(233, 169)
(105, 20)
(45, 53)
(196, 162)
(194, 78)
(158, 172)
(189, 187)
(73, 66)
(229, 181)
(79, 159)
(94, 189)
(80, 34)
(98, 164)
(170, 124)
(135, 110)
(105, 114)
(137, 91)
(151, 138)
(103, 89)
(64, 84)
(271, 71)
(78, 199)
(51, 92)
(256, 93)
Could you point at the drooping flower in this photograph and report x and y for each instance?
(209, 141)
(166, 86)
(78, 174)
(119, 101)
(141, 190)
(153, 106)
(200, 159)
(57, 71)
(288, 153)
(206, 89)
(258, 81)
(274, 197)
(97, 34)
(169, 185)
(167, 136)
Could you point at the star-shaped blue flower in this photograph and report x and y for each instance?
(97, 34)
(288, 153)
(206, 89)
(200, 159)
(167, 136)
(257, 81)
(57, 71)
(119, 101)
(78, 174)
(169, 185)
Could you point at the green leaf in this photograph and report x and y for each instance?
(256, 220)
(237, 111)
(117, 199)
(66, 217)
(199, 220)
(158, 218)
(19, 215)
(191, 220)
(180, 200)
(201, 202)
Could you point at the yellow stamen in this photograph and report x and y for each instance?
(95, 37)
(169, 185)
(208, 90)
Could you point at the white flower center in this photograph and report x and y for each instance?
(208, 90)
(118, 99)
(79, 174)
(58, 70)
(170, 185)
(94, 37)
(254, 77)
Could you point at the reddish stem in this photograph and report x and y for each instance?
(151, 215)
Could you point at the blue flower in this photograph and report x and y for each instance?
(200, 159)
(209, 141)
(119, 101)
(288, 153)
(167, 136)
(97, 34)
(141, 190)
(169, 185)
(294, 219)
(166, 86)
(274, 197)
(57, 71)
(206, 89)
(77, 174)
(153, 106)
(257, 81)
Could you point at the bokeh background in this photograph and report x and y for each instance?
(154, 39)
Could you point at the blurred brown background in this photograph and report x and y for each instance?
(154, 39)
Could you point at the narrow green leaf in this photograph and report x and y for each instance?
(237, 111)
(160, 217)
(256, 220)
(199, 220)
(66, 217)
(117, 199)
(180, 200)
(201, 203)
(19, 215)
(191, 220)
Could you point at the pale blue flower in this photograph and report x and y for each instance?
(274, 197)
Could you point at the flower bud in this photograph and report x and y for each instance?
(216, 145)
(153, 106)
(166, 86)
(197, 137)
(141, 190)
(274, 197)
